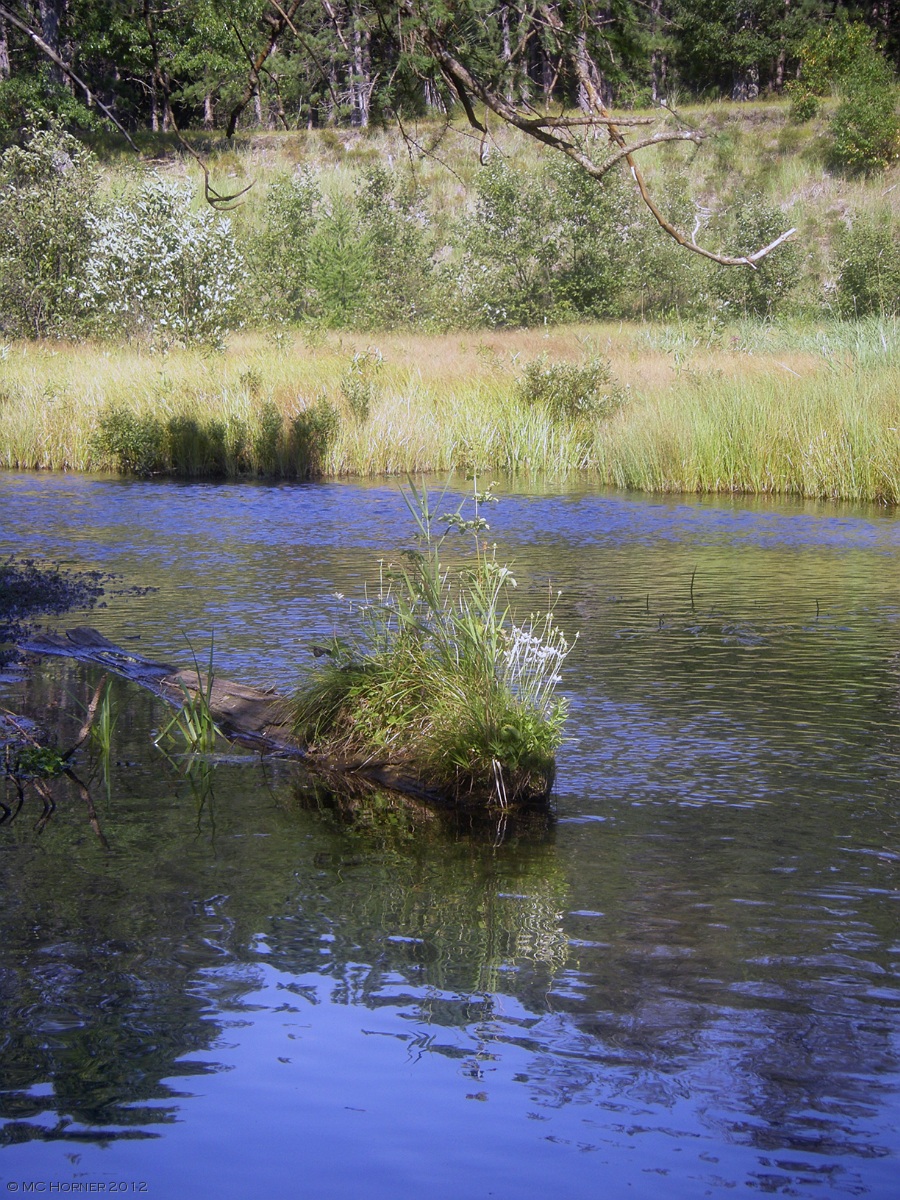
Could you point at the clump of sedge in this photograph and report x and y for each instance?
(438, 676)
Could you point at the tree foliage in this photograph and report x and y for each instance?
(310, 62)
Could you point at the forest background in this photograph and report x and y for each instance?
(374, 209)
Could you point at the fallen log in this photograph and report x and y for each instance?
(254, 717)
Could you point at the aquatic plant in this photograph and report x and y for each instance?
(194, 722)
(438, 676)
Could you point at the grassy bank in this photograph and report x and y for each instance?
(807, 410)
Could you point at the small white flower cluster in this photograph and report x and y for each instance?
(160, 265)
(532, 658)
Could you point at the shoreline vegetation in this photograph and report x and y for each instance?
(366, 311)
(800, 409)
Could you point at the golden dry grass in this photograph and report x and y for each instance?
(812, 412)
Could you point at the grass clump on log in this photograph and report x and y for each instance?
(438, 678)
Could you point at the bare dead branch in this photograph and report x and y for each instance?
(89, 803)
(558, 132)
(666, 135)
(50, 53)
(88, 722)
(563, 122)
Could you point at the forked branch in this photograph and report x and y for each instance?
(562, 133)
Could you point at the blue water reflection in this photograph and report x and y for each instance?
(685, 985)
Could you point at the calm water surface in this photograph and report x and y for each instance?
(683, 983)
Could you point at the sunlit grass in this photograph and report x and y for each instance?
(795, 409)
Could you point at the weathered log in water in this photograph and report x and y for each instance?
(251, 716)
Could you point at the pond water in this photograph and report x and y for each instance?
(683, 982)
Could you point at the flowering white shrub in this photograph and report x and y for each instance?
(160, 267)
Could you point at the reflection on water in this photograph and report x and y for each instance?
(684, 981)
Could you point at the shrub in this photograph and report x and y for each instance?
(128, 443)
(340, 254)
(35, 101)
(748, 225)
(280, 253)
(158, 267)
(598, 241)
(263, 444)
(569, 392)
(865, 128)
(400, 277)
(509, 249)
(439, 679)
(869, 278)
(48, 190)
(827, 56)
(311, 434)
(359, 385)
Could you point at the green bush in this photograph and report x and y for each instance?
(570, 392)
(865, 131)
(359, 385)
(311, 435)
(597, 241)
(35, 101)
(340, 255)
(48, 199)
(868, 282)
(400, 278)
(827, 57)
(865, 128)
(748, 225)
(128, 443)
(280, 253)
(509, 249)
(265, 444)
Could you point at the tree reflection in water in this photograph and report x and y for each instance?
(717, 976)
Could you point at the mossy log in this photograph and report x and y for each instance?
(252, 716)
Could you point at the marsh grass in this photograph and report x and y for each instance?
(827, 430)
(792, 408)
(437, 676)
(193, 723)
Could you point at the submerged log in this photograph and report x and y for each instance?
(251, 716)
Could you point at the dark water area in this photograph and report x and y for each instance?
(682, 982)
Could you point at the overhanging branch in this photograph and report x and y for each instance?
(50, 53)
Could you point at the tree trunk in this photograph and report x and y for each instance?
(360, 75)
(507, 49)
(51, 13)
(208, 120)
(4, 52)
(657, 58)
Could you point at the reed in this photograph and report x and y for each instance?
(800, 409)
(193, 722)
(437, 676)
(835, 435)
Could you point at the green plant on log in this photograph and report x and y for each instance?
(437, 674)
(194, 722)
